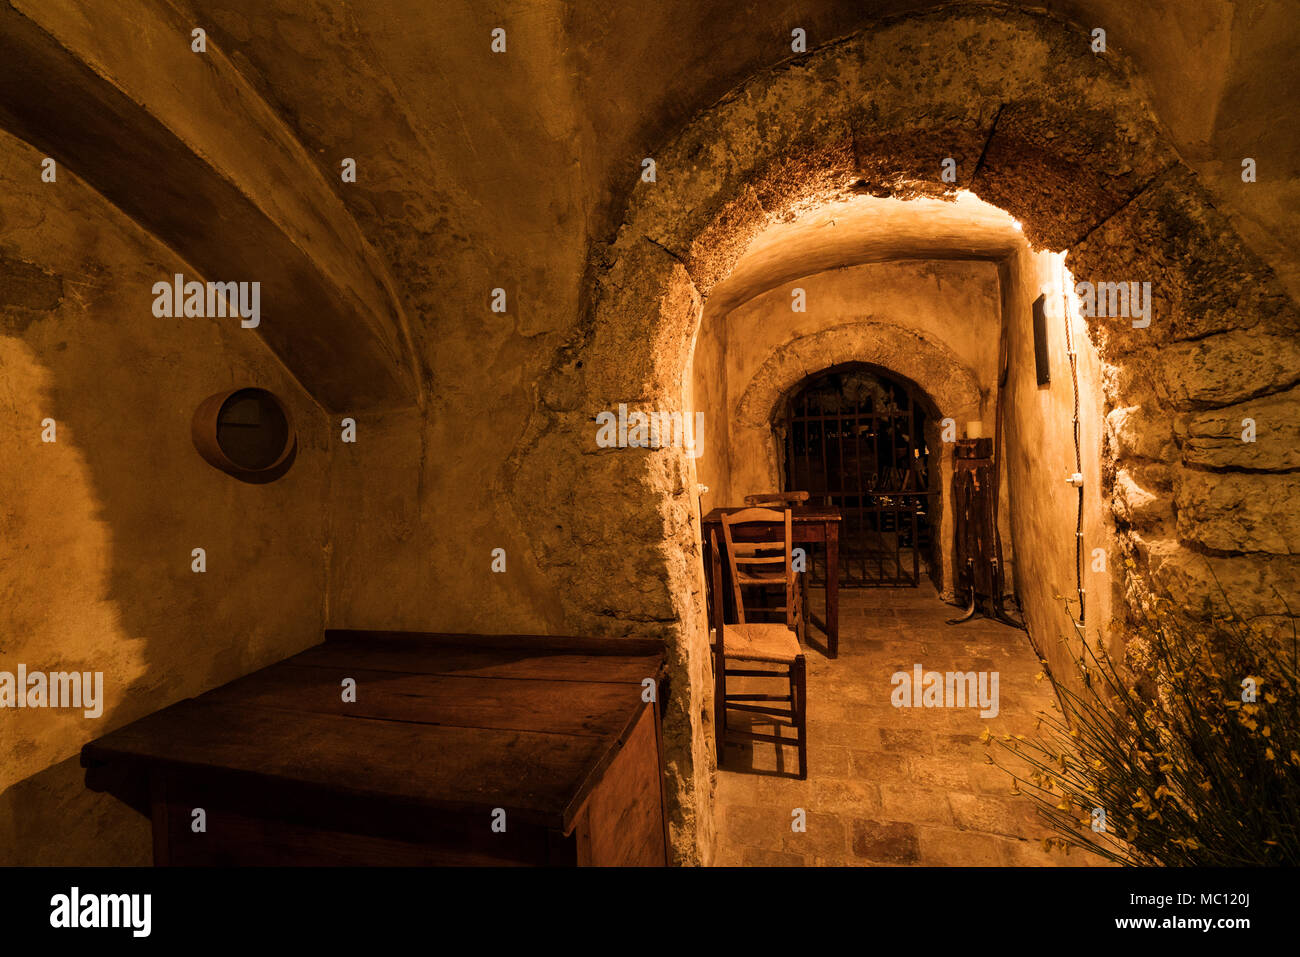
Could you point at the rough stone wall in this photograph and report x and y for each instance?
(1207, 517)
(97, 528)
(873, 113)
(707, 393)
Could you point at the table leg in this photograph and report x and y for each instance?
(833, 588)
(719, 656)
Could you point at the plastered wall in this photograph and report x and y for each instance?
(1040, 456)
(97, 527)
(934, 322)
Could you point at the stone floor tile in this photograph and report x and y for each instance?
(950, 847)
(891, 786)
(907, 802)
(825, 836)
(885, 843)
(762, 857)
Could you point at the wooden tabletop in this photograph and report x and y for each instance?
(798, 513)
(451, 722)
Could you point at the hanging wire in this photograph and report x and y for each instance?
(1078, 451)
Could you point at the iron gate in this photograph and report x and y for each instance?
(854, 439)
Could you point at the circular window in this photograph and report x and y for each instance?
(247, 433)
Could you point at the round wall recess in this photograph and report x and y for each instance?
(247, 433)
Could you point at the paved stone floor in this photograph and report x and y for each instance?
(886, 785)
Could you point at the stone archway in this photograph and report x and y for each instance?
(1039, 126)
(931, 366)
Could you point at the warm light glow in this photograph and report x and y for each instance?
(1067, 290)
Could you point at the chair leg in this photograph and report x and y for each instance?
(803, 608)
(720, 708)
(801, 714)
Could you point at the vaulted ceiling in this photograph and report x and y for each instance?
(867, 229)
(478, 169)
(550, 134)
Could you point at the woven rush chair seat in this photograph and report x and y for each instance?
(761, 641)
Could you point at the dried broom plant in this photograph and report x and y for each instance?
(1186, 753)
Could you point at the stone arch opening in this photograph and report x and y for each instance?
(877, 113)
(858, 437)
(928, 366)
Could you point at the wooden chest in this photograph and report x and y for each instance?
(453, 749)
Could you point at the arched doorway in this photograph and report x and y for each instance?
(854, 437)
(1014, 99)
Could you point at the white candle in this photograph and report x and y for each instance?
(974, 430)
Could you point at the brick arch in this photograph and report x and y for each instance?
(1040, 127)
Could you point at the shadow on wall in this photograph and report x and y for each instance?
(99, 525)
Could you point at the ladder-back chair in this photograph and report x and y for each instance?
(786, 500)
(763, 649)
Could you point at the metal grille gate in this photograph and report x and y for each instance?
(854, 439)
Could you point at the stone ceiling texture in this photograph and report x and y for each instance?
(866, 229)
(538, 149)
(477, 170)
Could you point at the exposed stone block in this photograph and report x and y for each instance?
(1216, 438)
(1238, 511)
(1137, 498)
(1228, 368)
(1203, 278)
(1249, 586)
(1136, 432)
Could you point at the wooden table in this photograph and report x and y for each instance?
(447, 733)
(809, 524)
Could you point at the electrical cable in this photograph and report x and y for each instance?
(1078, 451)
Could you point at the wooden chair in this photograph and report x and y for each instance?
(752, 644)
(778, 498)
(786, 500)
